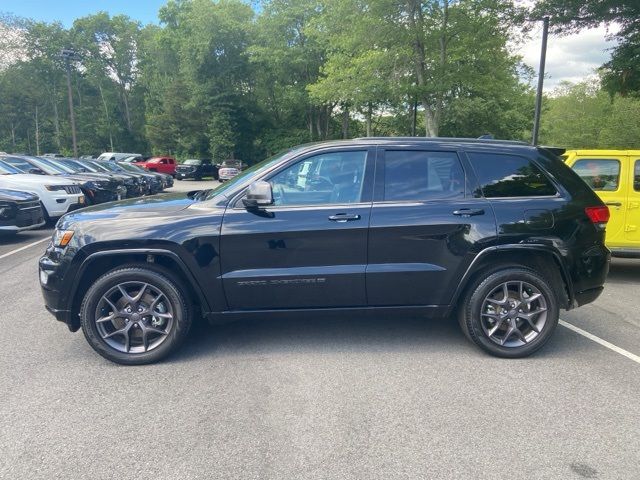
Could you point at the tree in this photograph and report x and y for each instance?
(622, 73)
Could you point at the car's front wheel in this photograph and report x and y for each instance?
(510, 313)
(135, 315)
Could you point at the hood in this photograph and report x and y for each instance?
(141, 207)
(30, 179)
(16, 196)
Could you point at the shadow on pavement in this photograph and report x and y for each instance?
(624, 270)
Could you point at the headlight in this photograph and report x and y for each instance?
(54, 188)
(61, 238)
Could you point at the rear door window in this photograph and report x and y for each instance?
(599, 173)
(501, 175)
(411, 175)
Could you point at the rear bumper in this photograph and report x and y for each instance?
(587, 296)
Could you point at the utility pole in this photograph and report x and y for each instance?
(543, 58)
(68, 55)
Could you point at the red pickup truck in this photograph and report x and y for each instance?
(158, 164)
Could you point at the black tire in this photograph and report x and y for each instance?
(157, 279)
(179, 179)
(471, 315)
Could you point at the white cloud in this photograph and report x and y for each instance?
(569, 58)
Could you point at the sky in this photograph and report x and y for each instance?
(570, 58)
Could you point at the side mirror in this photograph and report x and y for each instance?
(259, 194)
(36, 171)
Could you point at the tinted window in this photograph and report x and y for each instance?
(509, 176)
(636, 176)
(599, 174)
(418, 175)
(336, 177)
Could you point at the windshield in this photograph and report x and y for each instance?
(192, 162)
(7, 169)
(132, 168)
(254, 170)
(52, 167)
(77, 167)
(99, 167)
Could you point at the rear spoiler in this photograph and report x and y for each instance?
(557, 151)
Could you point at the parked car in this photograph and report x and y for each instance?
(57, 195)
(229, 169)
(116, 156)
(161, 180)
(499, 234)
(19, 211)
(95, 187)
(154, 181)
(137, 185)
(196, 169)
(615, 176)
(53, 155)
(157, 164)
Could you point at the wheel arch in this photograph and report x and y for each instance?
(543, 259)
(98, 263)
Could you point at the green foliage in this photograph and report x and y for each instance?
(621, 74)
(584, 116)
(218, 79)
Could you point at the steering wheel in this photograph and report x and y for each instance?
(320, 182)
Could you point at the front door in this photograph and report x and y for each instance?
(632, 222)
(309, 249)
(424, 224)
(606, 176)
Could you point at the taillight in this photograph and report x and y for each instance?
(598, 215)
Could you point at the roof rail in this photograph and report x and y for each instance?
(447, 139)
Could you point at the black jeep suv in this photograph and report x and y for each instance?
(500, 234)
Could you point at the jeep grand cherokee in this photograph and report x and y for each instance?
(499, 234)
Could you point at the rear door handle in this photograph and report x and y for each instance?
(344, 217)
(468, 212)
(614, 204)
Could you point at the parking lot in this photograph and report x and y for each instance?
(297, 399)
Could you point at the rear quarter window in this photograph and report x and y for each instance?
(504, 175)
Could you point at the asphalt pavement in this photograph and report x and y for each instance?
(396, 398)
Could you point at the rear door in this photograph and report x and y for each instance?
(309, 249)
(607, 175)
(425, 222)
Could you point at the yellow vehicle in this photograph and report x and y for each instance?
(615, 176)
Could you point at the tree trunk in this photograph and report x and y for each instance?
(127, 114)
(13, 135)
(106, 114)
(431, 125)
(37, 133)
(368, 116)
(56, 120)
(345, 121)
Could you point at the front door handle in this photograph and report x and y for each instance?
(468, 212)
(614, 204)
(344, 217)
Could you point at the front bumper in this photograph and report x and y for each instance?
(65, 203)
(51, 273)
(15, 228)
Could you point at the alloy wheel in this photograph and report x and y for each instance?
(134, 317)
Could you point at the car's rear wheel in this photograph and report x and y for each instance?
(511, 313)
(135, 315)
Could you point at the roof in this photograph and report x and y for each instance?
(602, 152)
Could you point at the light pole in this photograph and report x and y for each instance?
(68, 55)
(543, 58)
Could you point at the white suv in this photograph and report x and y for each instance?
(58, 195)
